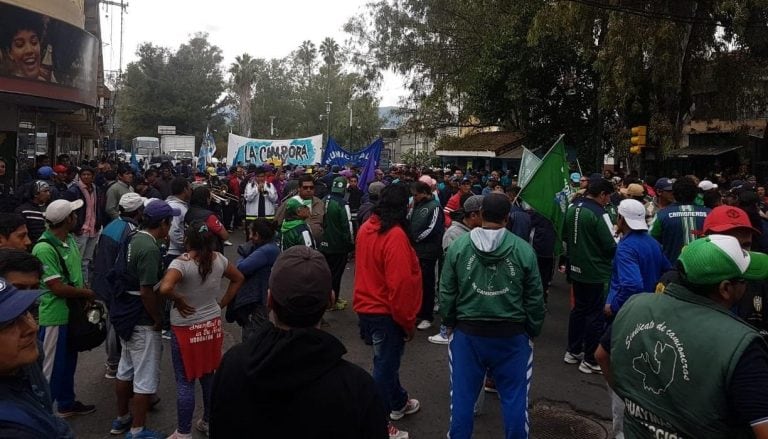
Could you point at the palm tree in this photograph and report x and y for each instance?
(244, 75)
(306, 57)
(329, 48)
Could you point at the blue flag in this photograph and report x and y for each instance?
(367, 175)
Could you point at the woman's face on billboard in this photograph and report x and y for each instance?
(25, 54)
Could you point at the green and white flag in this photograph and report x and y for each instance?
(548, 189)
(529, 163)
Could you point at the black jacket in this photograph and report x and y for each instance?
(196, 213)
(294, 384)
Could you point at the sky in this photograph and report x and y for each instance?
(264, 29)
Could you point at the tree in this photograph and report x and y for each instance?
(548, 67)
(244, 75)
(304, 57)
(291, 94)
(181, 88)
(420, 159)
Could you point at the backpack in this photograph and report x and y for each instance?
(118, 278)
(87, 327)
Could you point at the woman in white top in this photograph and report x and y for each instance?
(193, 283)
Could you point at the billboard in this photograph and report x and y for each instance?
(45, 57)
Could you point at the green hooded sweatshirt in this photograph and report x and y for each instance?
(492, 276)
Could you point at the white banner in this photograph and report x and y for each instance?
(305, 151)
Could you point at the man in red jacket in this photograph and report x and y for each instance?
(387, 297)
(235, 180)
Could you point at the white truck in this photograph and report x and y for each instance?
(179, 147)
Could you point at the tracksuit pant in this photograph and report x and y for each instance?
(428, 280)
(587, 321)
(510, 362)
(337, 263)
(59, 365)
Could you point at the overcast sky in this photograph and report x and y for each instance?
(264, 29)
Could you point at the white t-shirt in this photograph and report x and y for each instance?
(203, 296)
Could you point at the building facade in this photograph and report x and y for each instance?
(52, 95)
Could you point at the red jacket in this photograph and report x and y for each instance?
(453, 204)
(234, 185)
(387, 274)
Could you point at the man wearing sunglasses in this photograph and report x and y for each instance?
(307, 197)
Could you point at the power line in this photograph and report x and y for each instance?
(665, 16)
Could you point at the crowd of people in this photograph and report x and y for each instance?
(667, 281)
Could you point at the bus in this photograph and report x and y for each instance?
(145, 147)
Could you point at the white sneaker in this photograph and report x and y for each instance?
(573, 358)
(411, 406)
(227, 242)
(586, 367)
(438, 339)
(394, 433)
(424, 324)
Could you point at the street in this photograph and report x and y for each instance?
(565, 402)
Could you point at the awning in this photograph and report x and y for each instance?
(444, 153)
(514, 154)
(708, 151)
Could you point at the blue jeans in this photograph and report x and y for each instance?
(388, 341)
(510, 362)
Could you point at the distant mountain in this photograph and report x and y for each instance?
(390, 119)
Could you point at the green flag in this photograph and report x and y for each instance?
(548, 189)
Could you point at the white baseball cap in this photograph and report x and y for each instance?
(707, 185)
(59, 210)
(633, 213)
(131, 201)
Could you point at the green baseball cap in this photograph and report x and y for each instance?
(715, 258)
(293, 205)
(339, 185)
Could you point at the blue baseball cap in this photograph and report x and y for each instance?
(45, 172)
(159, 209)
(575, 177)
(663, 184)
(15, 302)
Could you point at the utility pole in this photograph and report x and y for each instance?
(349, 106)
(328, 116)
(123, 6)
(272, 126)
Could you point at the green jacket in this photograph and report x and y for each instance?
(589, 241)
(299, 235)
(337, 227)
(672, 357)
(491, 275)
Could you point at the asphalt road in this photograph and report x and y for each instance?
(424, 373)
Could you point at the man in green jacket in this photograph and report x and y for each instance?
(337, 239)
(684, 365)
(589, 237)
(492, 303)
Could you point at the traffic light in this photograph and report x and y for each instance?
(639, 134)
